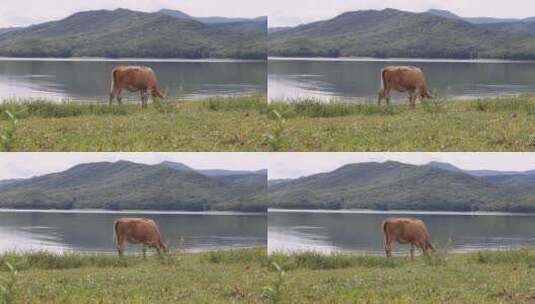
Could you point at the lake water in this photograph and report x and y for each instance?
(358, 79)
(91, 231)
(89, 79)
(360, 231)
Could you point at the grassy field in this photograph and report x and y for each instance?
(249, 276)
(213, 124)
(241, 124)
(494, 124)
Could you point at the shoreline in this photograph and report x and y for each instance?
(133, 59)
(395, 59)
(133, 211)
(401, 212)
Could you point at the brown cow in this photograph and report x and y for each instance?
(134, 79)
(403, 79)
(406, 231)
(138, 231)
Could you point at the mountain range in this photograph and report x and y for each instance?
(507, 25)
(397, 186)
(478, 20)
(8, 29)
(126, 185)
(211, 20)
(393, 33)
(127, 33)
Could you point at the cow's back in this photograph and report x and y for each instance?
(403, 77)
(138, 77)
(405, 229)
(140, 230)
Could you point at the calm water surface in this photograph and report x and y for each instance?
(91, 231)
(358, 78)
(89, 79)
(360, 231)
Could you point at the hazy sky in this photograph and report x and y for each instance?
(26, 12)
(284, 12)
(280, 12)
(293, 165)
(24, 165)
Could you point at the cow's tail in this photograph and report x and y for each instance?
(383, 79)
(113, 74)
(115, 224)
(385, 224)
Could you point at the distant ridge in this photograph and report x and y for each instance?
(8, 29)
(398, 186)
(475, 20)
(391, 33)
(126, 185)
(126, 33)
(212, 172)
(210, 20)
(449, 167)
(525, 26)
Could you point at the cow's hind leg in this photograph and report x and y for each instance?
(115, 94)
(380, 96)
(112, 97)
(120, 245)
(387, 96)
(119, 95)
(388, 247)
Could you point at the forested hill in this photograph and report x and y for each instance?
(394, 33)
(127, 33)
(398, 186)
(125, 185)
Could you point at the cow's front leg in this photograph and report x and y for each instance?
(144, 250)
(412, 251)
(144, 98)
(412, 99)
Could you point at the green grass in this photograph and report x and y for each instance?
(249, 276)
(498, 277)
(213, 124)
(247, 124)
(491, 124)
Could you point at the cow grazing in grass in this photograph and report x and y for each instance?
(138, 231)
(140, 79)
(403, 79)
(406, 231)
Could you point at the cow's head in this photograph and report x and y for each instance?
(157, 94)
(163, 247)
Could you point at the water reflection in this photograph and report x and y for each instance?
(361, 232)
(90, 80)
(360, 80)
(92, 231)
